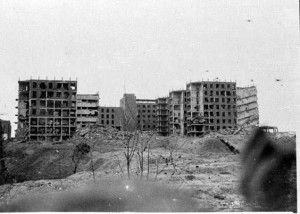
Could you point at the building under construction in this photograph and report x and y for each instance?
(47, 109)
(87, 109)
(162, 116)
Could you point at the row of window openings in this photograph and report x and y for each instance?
(43, 85)
(107, 122)
(52, 103)
(223, 121)
(211, 107)
(50, 121)
(51, 112)
(206, 114)
(232, 86)
(107, 116)
(107, 110)
(42, 130)
(216, 99)
(146, 106)
(218, 93)
(52, 94)
(218, 127)
(144, 116)
(144, 111)
(148, 126)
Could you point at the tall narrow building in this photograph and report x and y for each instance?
(47, 108)
(162, 116)
(176, 112)
(87, 109)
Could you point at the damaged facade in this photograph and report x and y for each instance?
(47, 109)
(87, 109)
(146, 114)
(176, 112)
(162, 116)
(247, 106)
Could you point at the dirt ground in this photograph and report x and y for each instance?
(205, 167)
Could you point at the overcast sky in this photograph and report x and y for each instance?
(151, 47)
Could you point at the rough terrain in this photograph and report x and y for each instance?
(206, 167)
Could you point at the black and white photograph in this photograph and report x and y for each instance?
(149, 105)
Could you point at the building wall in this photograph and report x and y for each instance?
(146, 114)
(162, 116)
(111, 116)
(87, 109)
(128, 104)
(247, 106)
(47, 108)
(176, 112)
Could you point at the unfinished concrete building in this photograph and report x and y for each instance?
(87, 109)
(162, 116)
(47, 108)
(128, 104)
(247, 106)
(177, 122)
(111, 116)
(210, 105)
(146, 118)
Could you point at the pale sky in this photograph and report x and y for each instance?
(151, 47)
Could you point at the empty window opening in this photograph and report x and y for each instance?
(57, 113)
(33, 121)
(59, 85)
(217, 85)
(50, 94)
(34, 85)
(42, 121)
(57, 104)
(65, 86)
(223, 114)
(33, 111)
(229, 106)
(43, 112)
(50, 103)
(228, 93)
(34, 94)
(33, 103)
(43, 94)
(228, 100)
(211, 93)
(211, 114)
(216, 99)
(43, 85)
(43, 103)
(50, 112)
(218, 113)
(73, 87)
(223, 93)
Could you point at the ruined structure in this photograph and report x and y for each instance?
(210, 105)
(247, 106)
(162, 116)
(146, 114)
(177, 122)
(87, 109)
(47, 109)
(111, 116)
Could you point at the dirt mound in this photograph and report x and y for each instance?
(213, 146)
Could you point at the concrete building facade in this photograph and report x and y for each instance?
(177, 122)
(111, 116)
(211, 105)
(247, 106)
(146, 118)
(47, 108)
(162, 116)
(87, 109)
(6, 129)
(128, 104)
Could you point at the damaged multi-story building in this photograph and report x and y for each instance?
(211, 105)
(177, 122)
(87, 109)
(247, 107)
(162, 116)
(47, 109)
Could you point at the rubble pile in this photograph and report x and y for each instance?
(105, 132)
